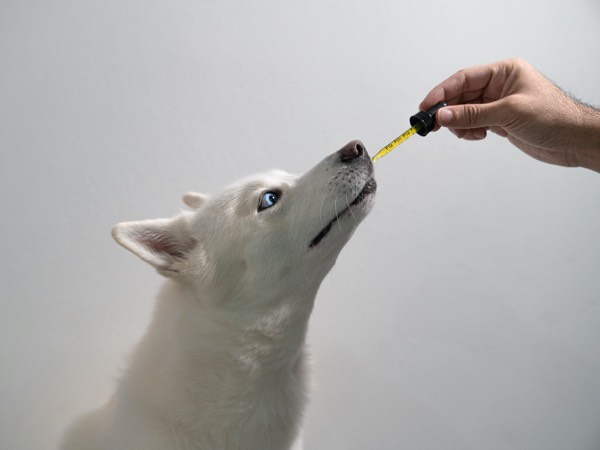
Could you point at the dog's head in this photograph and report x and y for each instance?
(268, 236)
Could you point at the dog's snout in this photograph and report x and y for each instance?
(352, 150)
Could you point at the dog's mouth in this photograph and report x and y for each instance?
(369, 188)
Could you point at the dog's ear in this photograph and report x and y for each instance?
(163, 243)
(194, 200)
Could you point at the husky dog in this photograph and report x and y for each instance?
(222, 365)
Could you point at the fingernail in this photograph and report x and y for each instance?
(478, 134)
(444, 116)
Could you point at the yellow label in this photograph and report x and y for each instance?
(396, 142)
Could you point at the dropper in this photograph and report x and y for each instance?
(421, 123)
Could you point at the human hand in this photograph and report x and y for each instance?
(514, 100)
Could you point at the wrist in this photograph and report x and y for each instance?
(586, 137)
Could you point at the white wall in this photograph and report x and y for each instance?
(465, 313)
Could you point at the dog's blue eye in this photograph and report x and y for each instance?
(267, 200)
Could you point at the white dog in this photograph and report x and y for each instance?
(222, 365)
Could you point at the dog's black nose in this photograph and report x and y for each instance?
(351, 150)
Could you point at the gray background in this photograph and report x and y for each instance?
(465, 312)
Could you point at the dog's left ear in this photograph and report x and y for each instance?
(163, 243)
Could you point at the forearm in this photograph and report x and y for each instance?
(585, 140)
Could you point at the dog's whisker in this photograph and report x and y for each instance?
(321, 210)
(337, 215)
(352, 213)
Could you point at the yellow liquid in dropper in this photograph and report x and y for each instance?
(396, 142)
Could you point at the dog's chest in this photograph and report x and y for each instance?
(248, 410)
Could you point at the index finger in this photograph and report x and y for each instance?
(465, 86)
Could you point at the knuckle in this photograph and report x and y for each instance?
(471, 114)
(516, 61)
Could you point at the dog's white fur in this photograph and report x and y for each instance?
(222, 365)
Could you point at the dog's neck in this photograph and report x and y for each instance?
(253, 344)
(221, 367)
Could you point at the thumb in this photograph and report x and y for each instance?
(471, 115)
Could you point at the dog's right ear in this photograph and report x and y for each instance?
(194, 200)
(163, 243)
